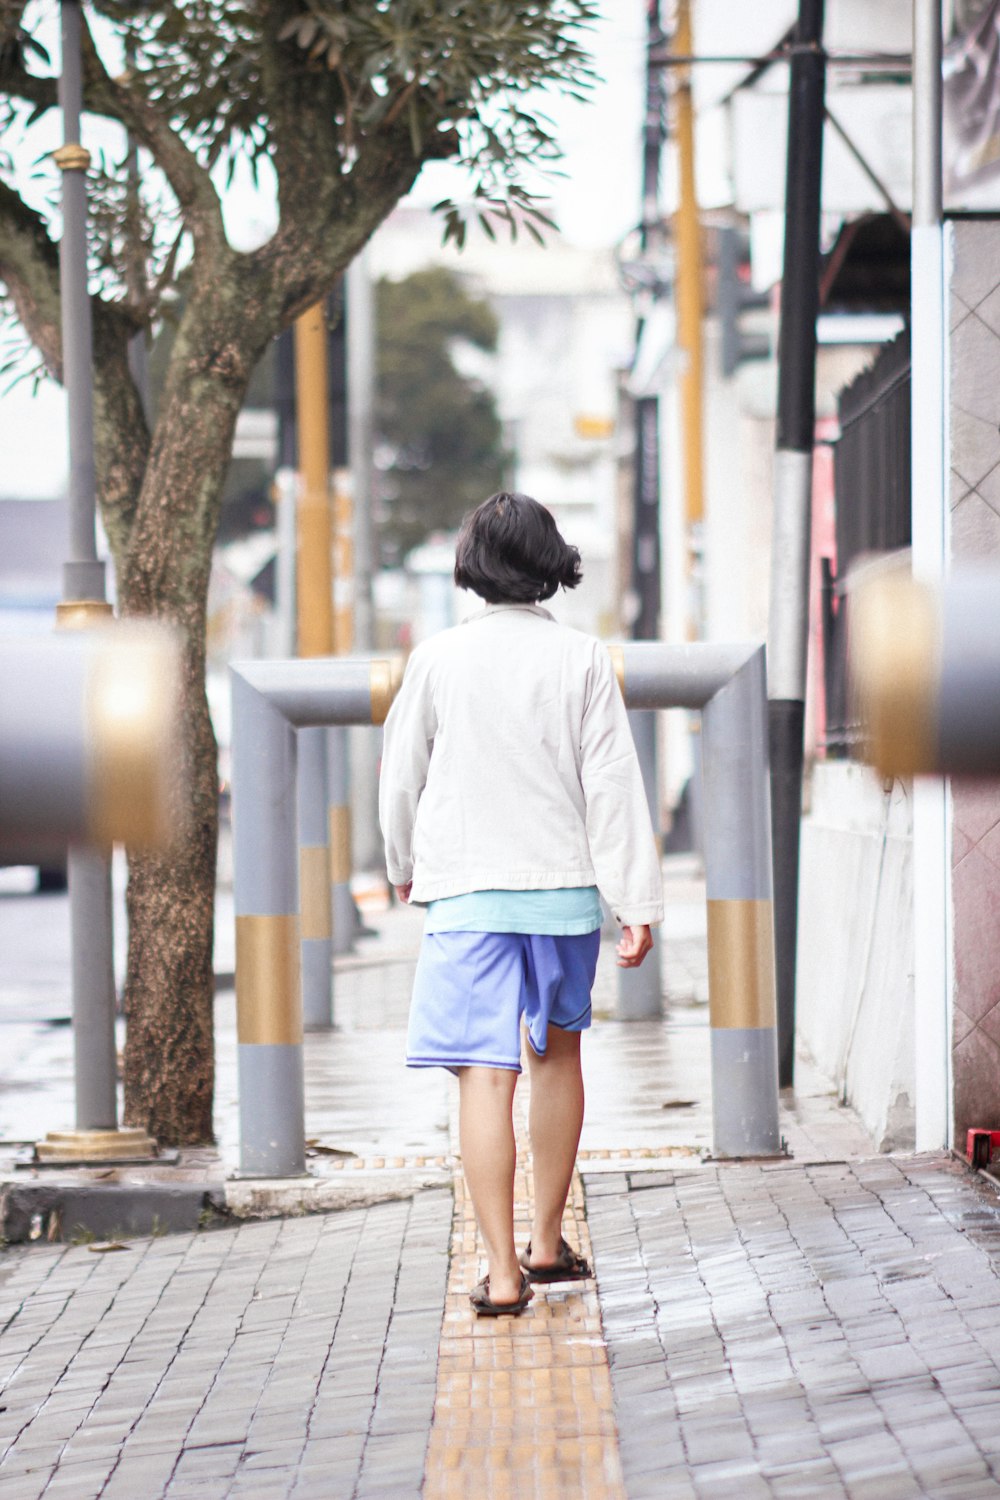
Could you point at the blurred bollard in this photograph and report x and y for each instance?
(88, 737)
(89, 756)
(924, 672)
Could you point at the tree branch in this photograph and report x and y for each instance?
(191, 183)
(29, 268)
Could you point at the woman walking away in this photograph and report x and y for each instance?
(510, 796)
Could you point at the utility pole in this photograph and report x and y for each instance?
(932, 977)
(687, 238)
(314, 606)
(788, 626)
(84, 606)
(360, 444)
(639, 990)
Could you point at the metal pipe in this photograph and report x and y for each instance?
(339, 818)
(737, 848)
(788, 625)
(640, 991)
(314, 881)
(271, 699)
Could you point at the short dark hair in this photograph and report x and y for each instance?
(510, 552)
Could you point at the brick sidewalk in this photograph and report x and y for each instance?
(826, 1330)
(292, 1358)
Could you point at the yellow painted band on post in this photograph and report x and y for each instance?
(340, 845)
(268, 982)
(895, 661)
(382, 692)
(741, 993)
(83, 614)
(314, 891)
(617, 654)
(72, 157)
(132, 711)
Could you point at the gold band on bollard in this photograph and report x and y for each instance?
(83, 614)
(741, 992)
(380, 678)
(268, 982)
(72, 157)
(340, 845)
(314, 891)
(895, 667)
(132, 709)
(617, 654)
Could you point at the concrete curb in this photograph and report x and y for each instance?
(63, 1211)
(53, 1212)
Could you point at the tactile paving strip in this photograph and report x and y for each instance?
(524, 1406)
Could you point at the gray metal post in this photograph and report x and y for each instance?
(271, 699)
(737, 813)
(265, 881)
(314, 882)
(89, 870)
(640, 996)
(788, 623)
(339, 813)
(360, 439)
(360, 446)
(728, 684)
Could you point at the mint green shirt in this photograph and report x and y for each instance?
(568, 911)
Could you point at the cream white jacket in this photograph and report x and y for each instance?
(508, 764)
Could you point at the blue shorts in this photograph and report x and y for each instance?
(472, 988)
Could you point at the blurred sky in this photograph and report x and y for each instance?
(596, 202)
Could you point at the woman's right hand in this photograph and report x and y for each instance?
(635, 944)
(403, 891)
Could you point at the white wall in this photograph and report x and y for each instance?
(854, 981)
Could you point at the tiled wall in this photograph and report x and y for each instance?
(975, 534)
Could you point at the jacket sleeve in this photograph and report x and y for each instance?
(622, 844)
(408, 739)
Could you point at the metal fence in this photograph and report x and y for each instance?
(872, 501)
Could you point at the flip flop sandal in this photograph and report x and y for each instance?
(486, 1308)
(568, 1266)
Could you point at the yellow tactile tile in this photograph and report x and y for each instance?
(524, 1409)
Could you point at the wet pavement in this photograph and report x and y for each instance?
(823, 1325)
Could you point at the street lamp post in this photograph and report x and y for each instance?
(84, 605)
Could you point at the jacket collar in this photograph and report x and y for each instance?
(531, 609)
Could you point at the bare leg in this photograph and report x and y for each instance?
(486, 1132)
(555, 1119)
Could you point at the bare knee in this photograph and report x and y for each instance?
(562, 1050)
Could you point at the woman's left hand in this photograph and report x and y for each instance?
(403, 892)
(635, 944)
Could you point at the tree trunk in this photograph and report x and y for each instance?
(169, 989)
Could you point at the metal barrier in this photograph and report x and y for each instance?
(728, 684)
(271, 700)
(88, 747)
(924, 667)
